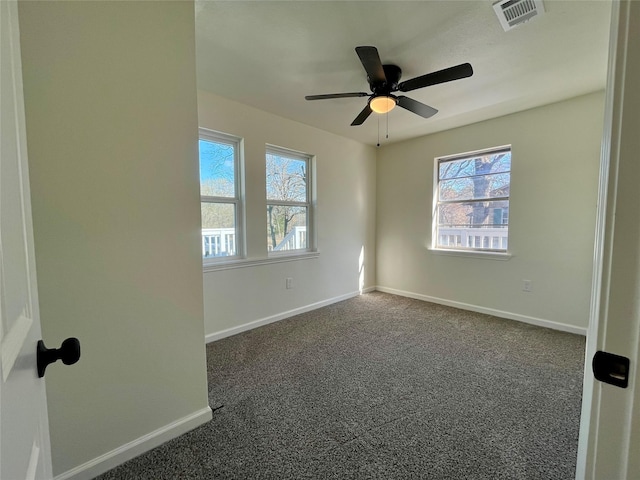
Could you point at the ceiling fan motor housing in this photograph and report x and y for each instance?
(393, 74)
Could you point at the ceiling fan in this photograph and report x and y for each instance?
(385, 79)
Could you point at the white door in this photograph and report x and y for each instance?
(609, 445)
(24, 438)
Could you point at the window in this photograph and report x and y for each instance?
(220, 195)
(289, 201)
(473, 201)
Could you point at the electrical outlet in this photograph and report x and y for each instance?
(527, 286)
(288, 282)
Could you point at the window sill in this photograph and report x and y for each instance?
(244, 262)
(473, 254)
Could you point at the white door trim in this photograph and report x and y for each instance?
(607, 411)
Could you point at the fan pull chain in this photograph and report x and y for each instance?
(378, 130)
(387, 137)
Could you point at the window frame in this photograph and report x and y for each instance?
(309, 203)
(238, 201)
(465, 248)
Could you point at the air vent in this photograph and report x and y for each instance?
(512, 13)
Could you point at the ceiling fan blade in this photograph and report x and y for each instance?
(441, 76)
(362, 116)
(372, 64)
(336, 95)
(416, 107)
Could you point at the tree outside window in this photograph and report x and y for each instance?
(288, 200)
(472, 209)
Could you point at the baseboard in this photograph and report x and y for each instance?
(212, 337)
(130, 450)
(489, 311)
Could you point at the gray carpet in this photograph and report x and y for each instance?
(383, 387)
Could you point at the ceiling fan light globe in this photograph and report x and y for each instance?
(382, 104)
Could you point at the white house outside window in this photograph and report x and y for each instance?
(472, 201)
(289, 201)
(221, 196)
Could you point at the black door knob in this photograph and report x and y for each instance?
(69, 353)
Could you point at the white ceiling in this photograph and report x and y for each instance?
(270, 54)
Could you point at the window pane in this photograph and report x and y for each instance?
(479, 225)
(474, 214)
(217, 165)
(481, 165)
(218, 230)
(286, 228)
(474, 188)
(286, 178)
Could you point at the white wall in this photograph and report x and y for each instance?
(555, 162)
(111, 114)
(346, 189)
